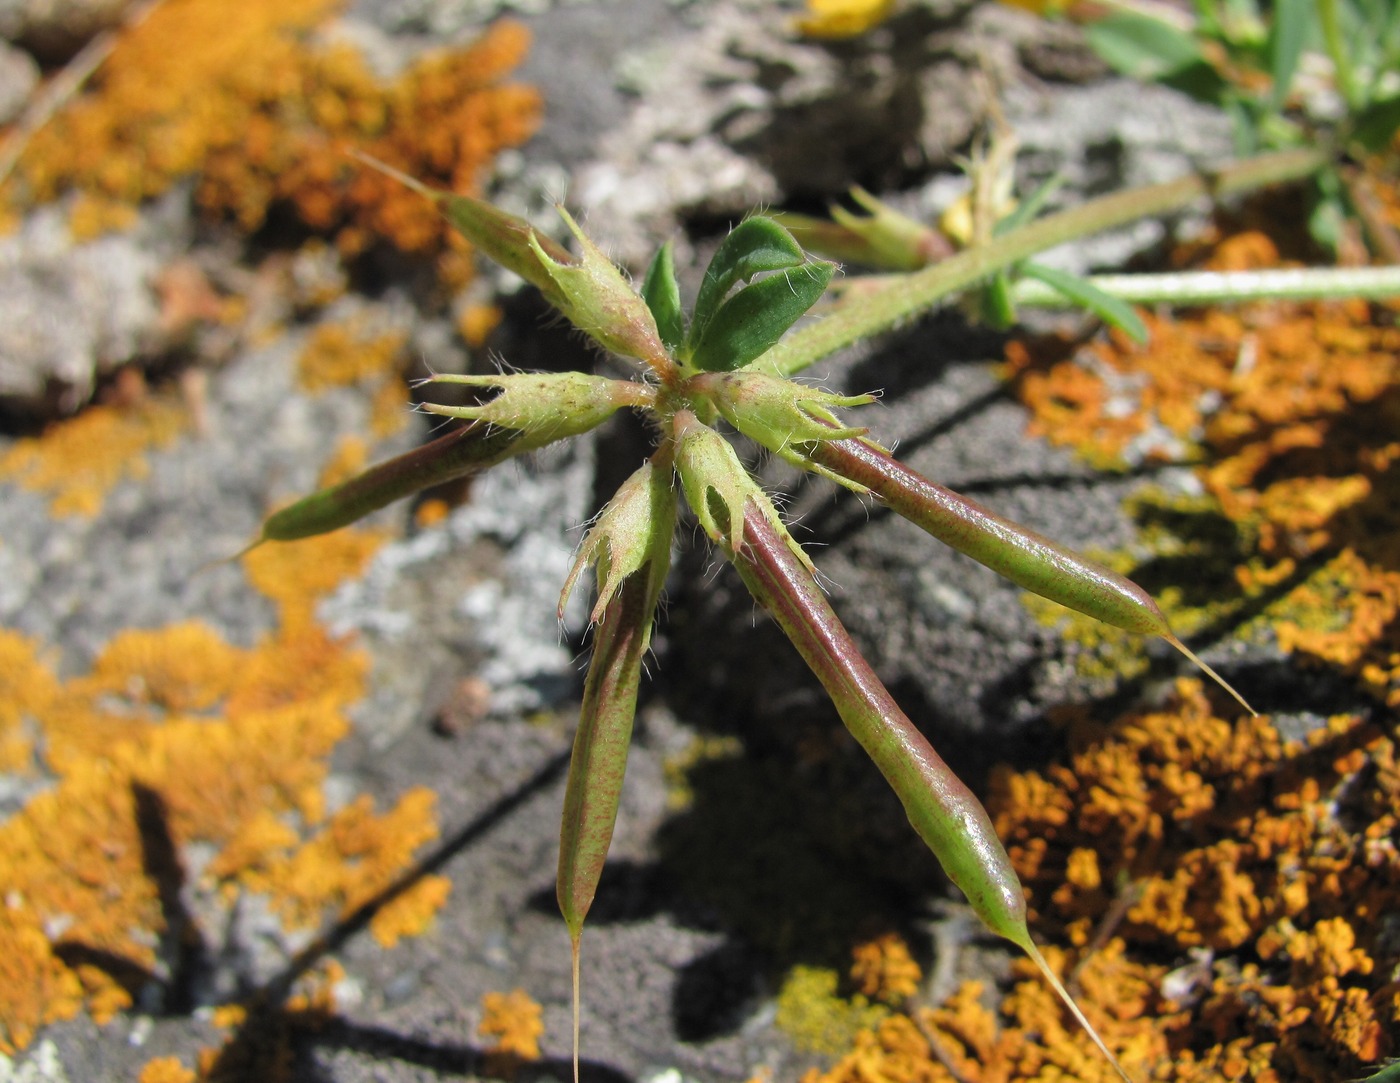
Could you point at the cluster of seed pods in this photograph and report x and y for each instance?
(758, 285)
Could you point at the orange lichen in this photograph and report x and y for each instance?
(296, 576)
(1218, 835)
(884, 970)
(354, 858)
(27, 688)
(389, 409)
(1295, 409)
(165, 1070)
(476, 323)
(262, 114)
(1231, 839)
(76, 462)
(342, 354)
(515, 1024)
(430, 513)
(175, 736)
(354, 352)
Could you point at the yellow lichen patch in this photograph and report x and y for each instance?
(27, 688)
(342, 354)
(261, 114)
(430, 513)
(476, 323)
(892, 1050)
(348, 459)
(389, 409)
(884, 970)
(183, 667)
(142, 677)
(816, 1018)
(514, 1024)
(176, 737)
(350, 353)
(296, 576)
(411, 912)
(353, 859)
(36, 988)
(76, 462)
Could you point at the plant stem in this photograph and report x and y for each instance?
(1226, 287)
(911, 294)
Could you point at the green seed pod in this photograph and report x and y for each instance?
(944, 812)
(1028, 559)
(633, 538)
(466, 451)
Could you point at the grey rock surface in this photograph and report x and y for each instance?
(71, 313)
(19, 75)
(56, 29)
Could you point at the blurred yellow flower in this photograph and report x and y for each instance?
(843, 18)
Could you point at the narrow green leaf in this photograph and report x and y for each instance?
(1142, 47)
(754, 245)
(1112, 310)
(663, 297)
(754, 319)
(1292, 22)
(998, 310)
(1029, 208)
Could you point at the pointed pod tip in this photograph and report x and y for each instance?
(1209, 672)
(1028, 946)
(209, 565)
(397, 174)
(575, 937)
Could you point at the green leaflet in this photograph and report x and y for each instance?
(663, 297)
(751, 322)
(755, 245)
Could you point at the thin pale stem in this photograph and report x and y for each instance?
(1226, 287)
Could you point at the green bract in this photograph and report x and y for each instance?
(779, 414)
(599, 302)
(542, 406)
(632, 531)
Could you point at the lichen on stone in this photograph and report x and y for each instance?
(76, 462)
(173, 737)
(262, 112)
